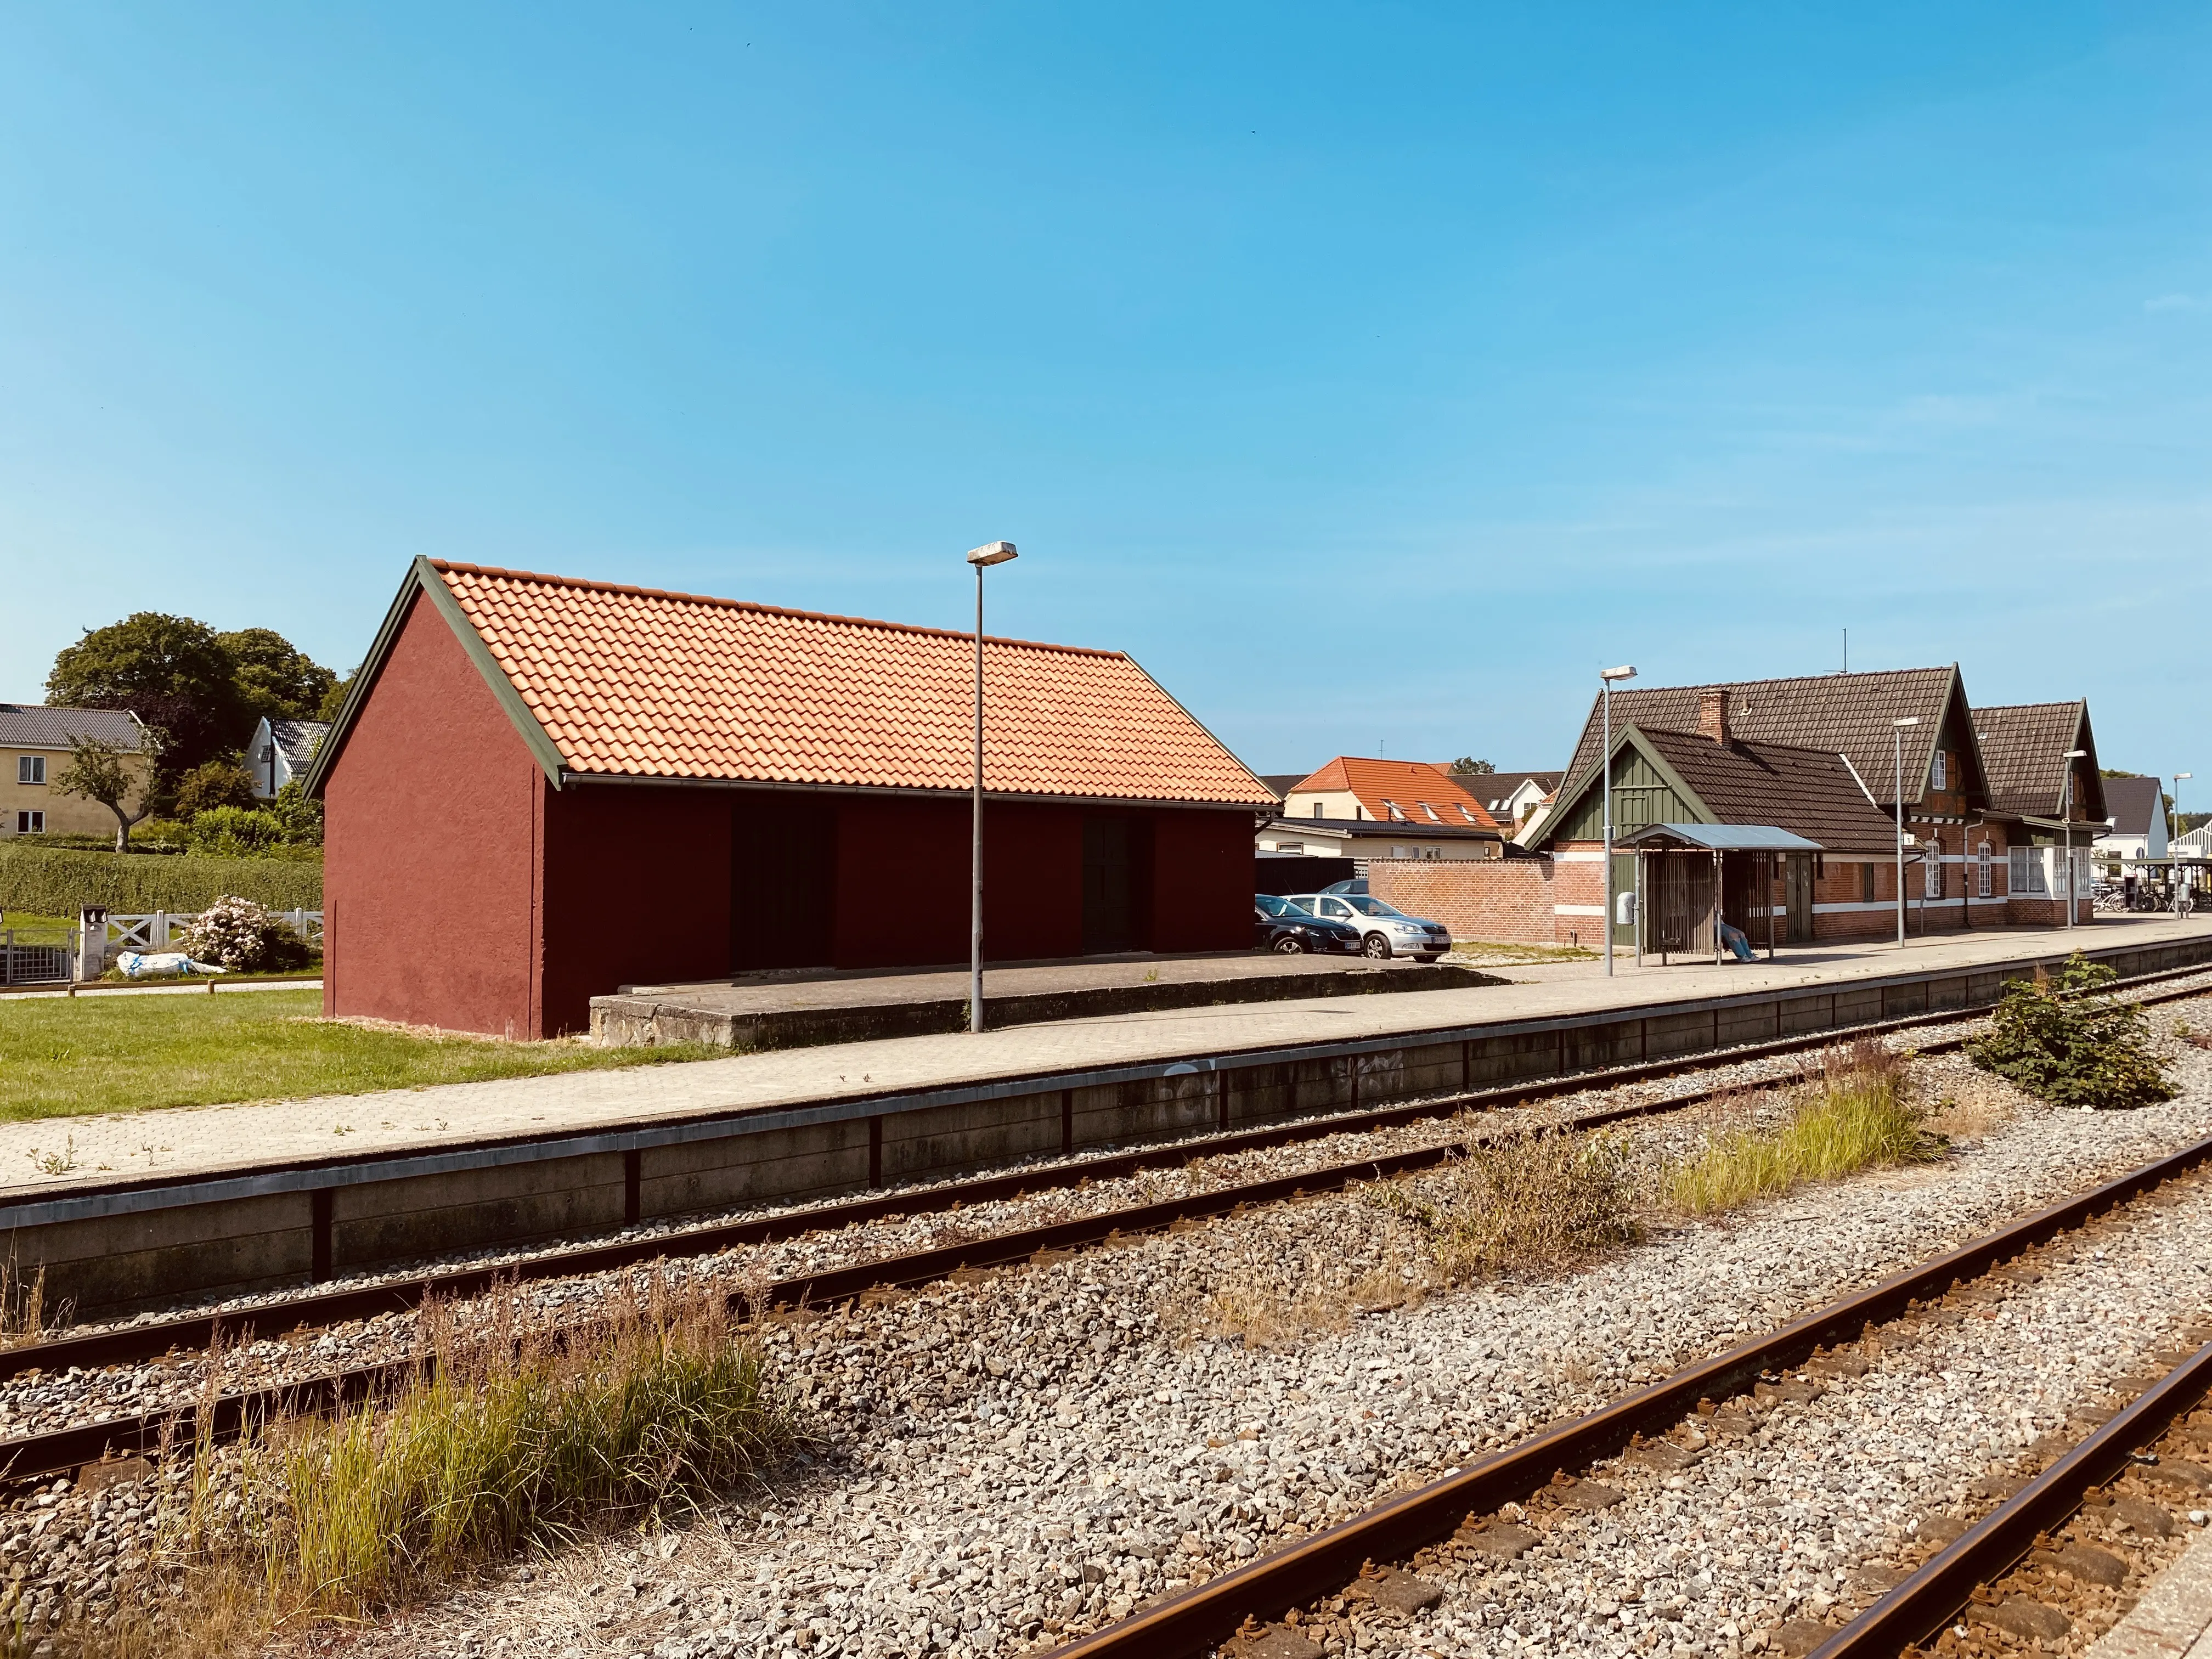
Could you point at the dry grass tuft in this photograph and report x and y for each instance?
(1541, 1200)
(505, 1440)
(1859, 1114)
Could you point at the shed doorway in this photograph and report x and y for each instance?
(1797, 878)
(1115, 868)
(783, 883)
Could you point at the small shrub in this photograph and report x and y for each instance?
(212, 784)
(231, 832)
(2064, 1040)
(1544, 1201)
(238, 934)
(1861, 1114)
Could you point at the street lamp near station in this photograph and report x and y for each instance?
(2066, 817)
(982, 558)
(1607, 677)
(1897, 737)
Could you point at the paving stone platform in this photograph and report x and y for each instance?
(758, 1012)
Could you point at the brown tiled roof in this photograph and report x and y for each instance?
(2024, 748)
(1807, 791)
(1416, 787)
(630, 682)
(1491, 788)
(1841, 714)
(36, 726)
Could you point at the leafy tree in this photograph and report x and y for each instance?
(170, 672)
(275, 679)
(1467, 766)
(334, 699)
(298, 813)
(100, 771)
(216, 783)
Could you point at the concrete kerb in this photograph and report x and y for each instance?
(437, 1201)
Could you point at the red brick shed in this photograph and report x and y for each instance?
(541, 789)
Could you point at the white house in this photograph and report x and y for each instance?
(280, 749)
(2139, 831)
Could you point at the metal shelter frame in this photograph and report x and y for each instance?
(1691, 877)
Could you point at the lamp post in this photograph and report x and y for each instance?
(2066, 817)
(1607, 677)
(2174, 864)
(1896, 739)
(982, 558)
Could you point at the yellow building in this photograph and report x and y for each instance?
(34, 750)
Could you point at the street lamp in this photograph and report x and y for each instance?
(2066, 817)
(2175, 864)
(989, 554)
(1896, 739)
(1607, 677)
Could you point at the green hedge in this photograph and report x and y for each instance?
(55, 882)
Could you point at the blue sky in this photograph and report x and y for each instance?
(1372, 374)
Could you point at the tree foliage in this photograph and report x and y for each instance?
(2065, 1041)
(203, 690)
(100, 771)
(1467, 766)
(212, 784)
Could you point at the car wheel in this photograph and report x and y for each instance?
(1288, 944)
(1375, 948)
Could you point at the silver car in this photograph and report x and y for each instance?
(1385, 931)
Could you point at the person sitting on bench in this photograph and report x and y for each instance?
(1733, 940)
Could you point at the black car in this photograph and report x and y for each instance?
(1283, 928)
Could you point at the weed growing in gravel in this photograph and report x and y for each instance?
(503, 1440)
(1539, 1201)
(2065, 1041)
(1859, 1114)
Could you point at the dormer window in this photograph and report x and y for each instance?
(1939, 772)
(1431, 811)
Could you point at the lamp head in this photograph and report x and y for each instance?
(2075, 754)
(1623, 672)
(1909, 719)
(991, 553)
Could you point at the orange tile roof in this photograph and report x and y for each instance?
(633, 682)
(1415, 786)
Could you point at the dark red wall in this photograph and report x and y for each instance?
(637, 892)
(1201, 881)
(430, 814)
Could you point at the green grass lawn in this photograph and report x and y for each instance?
(62, 1058)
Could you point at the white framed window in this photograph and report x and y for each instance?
(1981, 874)
(30, 823)
(1939, 772)
(1397, 813)
(1932, 870)
(1317, 812)
(30, 769)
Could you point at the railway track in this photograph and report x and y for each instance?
(147, 1340)
(63, 1450)
(1237, 1611)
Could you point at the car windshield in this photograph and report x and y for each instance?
(1371, 907)
(1304, 905)
(1270, 906)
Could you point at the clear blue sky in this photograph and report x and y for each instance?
(1372, 374)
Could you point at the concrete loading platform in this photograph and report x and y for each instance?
(256, 1197)
(756, 1011)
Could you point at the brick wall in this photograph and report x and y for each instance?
(1508, 900)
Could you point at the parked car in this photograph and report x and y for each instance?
(1284, 927)
(1384, 930)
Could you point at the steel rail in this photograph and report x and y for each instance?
(1205, 1615)
(137, 1343)
(1923, 1604)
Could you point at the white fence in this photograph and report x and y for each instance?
(164, 930)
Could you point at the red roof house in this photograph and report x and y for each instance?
(541, 789)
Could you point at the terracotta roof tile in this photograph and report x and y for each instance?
(1416, 787)
(633, 682)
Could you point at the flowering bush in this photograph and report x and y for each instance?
(238, 934)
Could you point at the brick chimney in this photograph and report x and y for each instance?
(1712, 715)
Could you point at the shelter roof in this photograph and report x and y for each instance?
(38, 725)
(1424, 794)
(618, 681)
(1726, 837)
(2024, 747)
(1839, 714)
